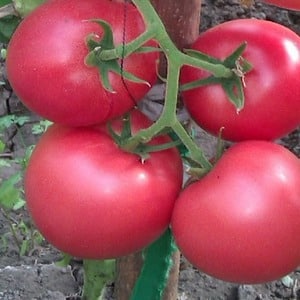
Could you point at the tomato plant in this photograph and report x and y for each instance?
(241, 221)
(289, 4)
(272, 106)
(91, 199)
(46, 62)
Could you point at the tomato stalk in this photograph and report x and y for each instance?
(175, 59)
(97, 273)
(221, 71)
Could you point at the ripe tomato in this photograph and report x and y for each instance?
(91, 199)
(289, 4)
(272, 93)
(241, 222)
(46, 62)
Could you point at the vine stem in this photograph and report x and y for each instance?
(97, 273)
(175, 60)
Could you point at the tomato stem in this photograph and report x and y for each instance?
(97, 273)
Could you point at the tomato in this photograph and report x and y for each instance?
(289, 4)
(241, 222)
(272, 93)
(91, 199)
(46, 62)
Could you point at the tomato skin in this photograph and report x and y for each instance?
(289, 4)
(46, 67)
(272, 106)
(240, 223)
(92, 200)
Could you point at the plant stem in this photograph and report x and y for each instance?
(121, 51)
(175, 59)
(97, 273)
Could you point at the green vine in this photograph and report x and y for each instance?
(223, 72)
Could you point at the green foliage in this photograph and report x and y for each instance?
(22, 233)
(40, 127)
(8, 25)
(4, 2)
(9, 120)
(10, 194)
(25, 236)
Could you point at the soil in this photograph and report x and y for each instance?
(36, 274)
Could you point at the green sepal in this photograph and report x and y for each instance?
(236, 56)
(125, 134)
(234, 90)
(141, 149)
(202, 56)
(233, 86)
(105, 66)
(155, 272)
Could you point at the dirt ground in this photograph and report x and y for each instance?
(36, 277)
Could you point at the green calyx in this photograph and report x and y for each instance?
(104, 64)
(233, 85)
(143, 150)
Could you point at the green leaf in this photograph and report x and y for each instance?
(9, 193)
(106, 66)
(9, 120)
(8, 25)
(4, 242)
(40, 127)
(25, 245)
(4, 2)
(2, 146)
(19, 204)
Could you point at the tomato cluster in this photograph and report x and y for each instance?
(243, 217)
(92, 199)
(88, 197)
